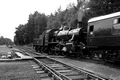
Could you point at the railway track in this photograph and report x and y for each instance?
(68, 72)
(52, 69)
(30, 52)
(45, 72)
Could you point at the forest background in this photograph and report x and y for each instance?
(39, 22)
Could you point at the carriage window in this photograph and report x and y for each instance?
(116, 26)
(91, 29)
(116, 21)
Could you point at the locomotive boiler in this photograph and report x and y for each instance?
(71, 41)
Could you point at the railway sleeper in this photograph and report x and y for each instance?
(44, 72)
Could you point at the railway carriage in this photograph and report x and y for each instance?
(103, 35)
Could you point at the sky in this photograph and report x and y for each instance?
(15, 12)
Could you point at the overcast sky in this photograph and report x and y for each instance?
(15, 12)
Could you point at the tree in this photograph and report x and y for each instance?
(103, 7)
(83, 11)
(25, 34)
(5, 41)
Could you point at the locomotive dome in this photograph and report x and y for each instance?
(104, 17)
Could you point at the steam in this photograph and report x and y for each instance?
(82, 7)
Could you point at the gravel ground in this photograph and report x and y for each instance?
(17, 71)
(96, 68)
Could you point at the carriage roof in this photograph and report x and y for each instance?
(104, 17)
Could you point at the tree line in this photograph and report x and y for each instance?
(39, 22)
(5, 41)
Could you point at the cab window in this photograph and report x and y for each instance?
(116, 26)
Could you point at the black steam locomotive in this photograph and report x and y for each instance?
(101, 40)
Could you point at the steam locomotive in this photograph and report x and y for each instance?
(101, 40)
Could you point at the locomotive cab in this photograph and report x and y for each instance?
(38, 43)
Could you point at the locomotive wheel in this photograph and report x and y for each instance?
(50, 52)
(100, 55)
(57, 49)
(64, 53)
(90, 55)
(42, 50)
(79, 55)
(56, 52)
(103, 56)
(94, 55)
(39, 49)
(36, 48)
(97, 55)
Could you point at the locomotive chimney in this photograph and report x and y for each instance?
(79, 24)
(80, 13)
(81, 6)
(80, 17)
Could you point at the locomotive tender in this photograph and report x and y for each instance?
(102, 39)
